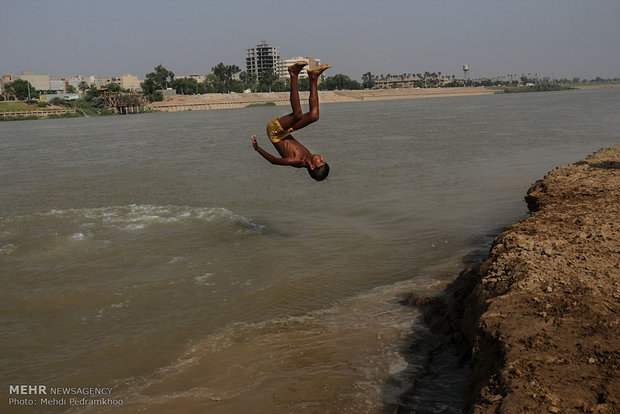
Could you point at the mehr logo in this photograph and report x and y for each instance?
(28, 389)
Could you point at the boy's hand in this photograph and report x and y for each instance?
(254, 143)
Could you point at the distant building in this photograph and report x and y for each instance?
(40, 82)
(98, 82)
(263, 57)
(127, 81)
(4, 80)
(57, 86)
(71, 81)
(398, 81)
(44, 83)
(198, 78)
(283, 65)
(130, 82)
(65, 96)
(7, 78)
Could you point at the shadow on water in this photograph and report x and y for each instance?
(438, 369)
(437, 354)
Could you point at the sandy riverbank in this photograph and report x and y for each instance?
(241, 100)
(540, 315)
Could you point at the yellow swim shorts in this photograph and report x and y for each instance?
(275, 132)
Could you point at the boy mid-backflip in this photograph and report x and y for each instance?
(279, 130)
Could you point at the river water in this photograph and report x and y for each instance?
(160, 256)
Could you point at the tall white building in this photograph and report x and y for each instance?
(263, 57)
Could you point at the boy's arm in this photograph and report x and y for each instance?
(268, 156)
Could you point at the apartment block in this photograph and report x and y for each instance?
(263, 57)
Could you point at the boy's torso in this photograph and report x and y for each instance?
(290, 148)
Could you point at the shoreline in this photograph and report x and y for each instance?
(214, 101)
(538, 319)
(241, 100)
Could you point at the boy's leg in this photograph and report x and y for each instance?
(313, 114)
(289, 120)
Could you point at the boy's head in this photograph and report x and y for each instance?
(319, 173)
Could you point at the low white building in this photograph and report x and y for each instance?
(57, 86)
(198, 78)
(282, 68)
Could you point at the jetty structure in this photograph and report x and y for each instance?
(124, 103)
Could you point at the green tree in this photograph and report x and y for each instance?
(160, 79)
(338, 82)
(7, 92)
(279, 86)
(156, 96)
(368, 80)
(225, 75)
(246, 78)
(113, 87)
(83, 86)
(210, 84)
(148, 86)
(185, 86)
(267, 78)
(236, 86)
(21, 89)
(92, 92)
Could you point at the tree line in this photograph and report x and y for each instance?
(223, 79)
(230, 78)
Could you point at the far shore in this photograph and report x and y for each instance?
(242, 100)
(210, 101)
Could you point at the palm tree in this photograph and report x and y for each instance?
(83, 86)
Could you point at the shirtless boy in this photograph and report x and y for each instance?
(279, 130)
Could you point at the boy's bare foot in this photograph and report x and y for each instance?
(296, 67)
(316, 72)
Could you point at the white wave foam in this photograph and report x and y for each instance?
(135, 217)
(78, 236)
(202, 280)
(7, 248)
(176, 259)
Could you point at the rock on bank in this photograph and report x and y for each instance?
(541, 314)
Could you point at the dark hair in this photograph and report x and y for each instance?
(319, 173)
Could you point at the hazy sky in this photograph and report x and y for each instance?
(555, 38)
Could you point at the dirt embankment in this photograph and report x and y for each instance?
(541, 315)
(240, 100)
